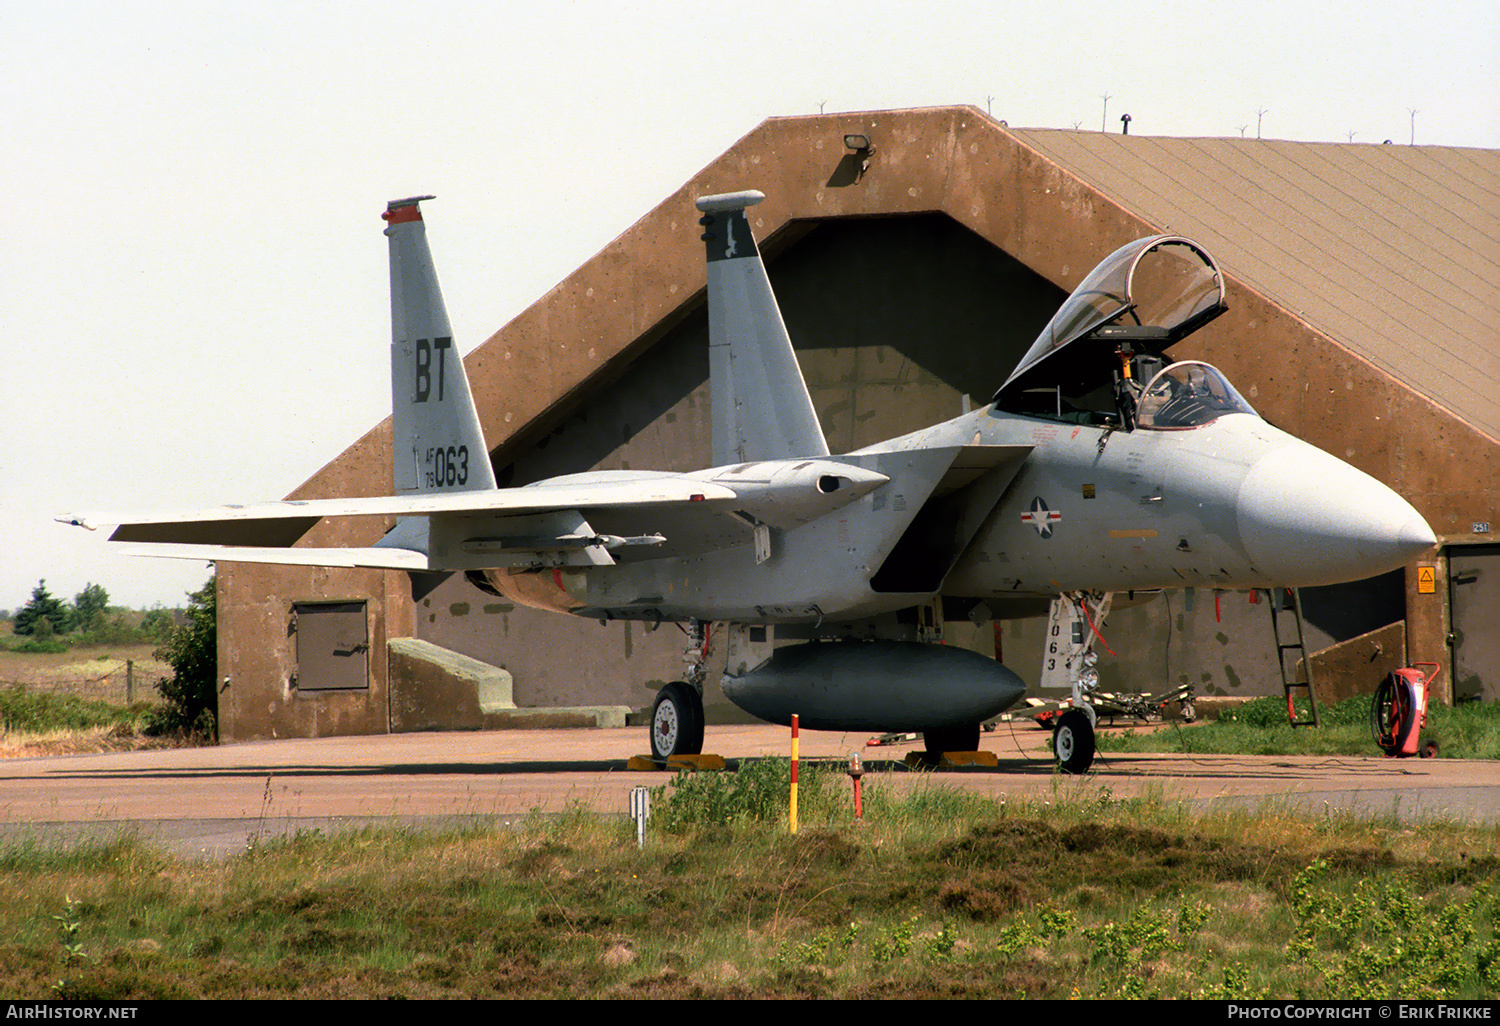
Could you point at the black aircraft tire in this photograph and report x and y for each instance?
(951, 739)
(1073, 742)
(677, 721)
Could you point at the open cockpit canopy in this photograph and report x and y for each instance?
(1141, 299)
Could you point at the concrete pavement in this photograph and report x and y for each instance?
(213, 801)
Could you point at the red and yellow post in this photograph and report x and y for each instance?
(792, 819)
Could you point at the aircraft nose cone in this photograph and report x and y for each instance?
(1307, 519)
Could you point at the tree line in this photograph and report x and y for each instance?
(188, 640)
(48, 620)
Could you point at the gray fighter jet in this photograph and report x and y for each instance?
(828, 577)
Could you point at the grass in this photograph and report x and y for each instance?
(22, 709)
(938, 895)
(1259, 727)
(91, 672)
(36, 723)
(74, 702)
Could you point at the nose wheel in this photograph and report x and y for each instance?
(677, 721)
(1073, 742)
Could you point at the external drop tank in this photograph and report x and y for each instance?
(873, 686)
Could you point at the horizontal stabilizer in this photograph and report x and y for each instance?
(358, 558)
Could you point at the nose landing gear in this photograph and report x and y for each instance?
(1073, 742)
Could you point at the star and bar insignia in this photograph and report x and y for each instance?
(1040, 517)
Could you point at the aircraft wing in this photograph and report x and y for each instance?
(138, 526)
(591, 519)
(517, 518)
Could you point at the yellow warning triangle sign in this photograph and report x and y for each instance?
(1426, 580)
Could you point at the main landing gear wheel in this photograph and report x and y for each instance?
(1073, 742)
(677, 721)
(951, 739)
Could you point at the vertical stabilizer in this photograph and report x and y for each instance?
(761, 409)
(437, 444)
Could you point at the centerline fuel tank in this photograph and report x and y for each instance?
(874, 686)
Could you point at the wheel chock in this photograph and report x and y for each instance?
(980, 758)
(706, 761)
(950, 760)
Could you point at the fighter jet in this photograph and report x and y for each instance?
(1099, 467)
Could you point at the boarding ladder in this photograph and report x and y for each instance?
(1276, 597)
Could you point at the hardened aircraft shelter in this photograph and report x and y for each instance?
(913, 273)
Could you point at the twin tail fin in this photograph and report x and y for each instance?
(760, 404)
(437, 444)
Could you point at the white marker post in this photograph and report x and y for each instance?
(640, 811)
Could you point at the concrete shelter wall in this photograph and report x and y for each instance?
(257, 653)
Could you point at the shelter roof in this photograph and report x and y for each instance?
(1391, 251)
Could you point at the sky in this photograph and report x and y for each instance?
(193, 283)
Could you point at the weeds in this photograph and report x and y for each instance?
(896, 943)
(1379, 940)
(25, 710)
(1259, 727)
(758, 792)
(69, 930)
(37, 646)
(859, 947)
(828, 947)
(1098, 899)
